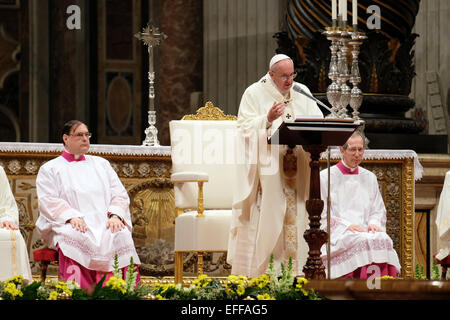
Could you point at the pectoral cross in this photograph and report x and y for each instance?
(288, 116)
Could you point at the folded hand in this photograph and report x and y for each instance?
(355, 227)
(78, 224)
(114, 224)
(374, 228)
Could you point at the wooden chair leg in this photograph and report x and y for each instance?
(444, 272)
(44, 266)
(199, 263)
(178, 268)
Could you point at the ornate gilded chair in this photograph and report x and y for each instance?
(203, 177)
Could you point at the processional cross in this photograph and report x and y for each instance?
(151, 37)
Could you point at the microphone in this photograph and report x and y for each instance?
(300, 90)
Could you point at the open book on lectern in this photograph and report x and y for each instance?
(306, 130)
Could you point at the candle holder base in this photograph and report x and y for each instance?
(151, 139)
(151, 133)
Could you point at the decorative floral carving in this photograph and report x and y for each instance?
(144, 169)
(31, 166)
(160, 169)
(14, 166)
(128, 169)
(115, 166)
(26, 186)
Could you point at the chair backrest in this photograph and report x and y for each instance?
(205, 142)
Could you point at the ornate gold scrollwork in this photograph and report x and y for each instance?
(209, 112)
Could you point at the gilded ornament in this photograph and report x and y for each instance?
(144, 169)
(31, 166)
(64, 296)
(14, 166)
(128, 169)
(209, 112)
(149, 296)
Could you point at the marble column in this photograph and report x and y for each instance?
(178, 61)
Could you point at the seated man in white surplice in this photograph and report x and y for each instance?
(357, 218)
(84, 211)
(13, 250)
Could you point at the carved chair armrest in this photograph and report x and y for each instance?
(190, 176)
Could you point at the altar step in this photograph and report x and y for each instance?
(376, 289)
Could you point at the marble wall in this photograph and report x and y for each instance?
(180, 61)
(431, 86)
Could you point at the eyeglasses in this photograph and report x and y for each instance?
(354, 150)
(286, 77)
(82, 134)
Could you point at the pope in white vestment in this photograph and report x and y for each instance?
(84, 209)
(269, 214)
(443, 220)
(357, 219)
(13, 250)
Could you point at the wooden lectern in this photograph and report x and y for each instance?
(314, 135)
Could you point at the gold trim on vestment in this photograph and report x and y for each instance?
(13, 253)
(290, 218)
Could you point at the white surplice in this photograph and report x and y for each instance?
(259, 204)
(88, 189)
(13, 250)
(355, 199)
(443, 219)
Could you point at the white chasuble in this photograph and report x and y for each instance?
(259, 224)
(13, 249)
(443, 219)
(88, 189)
(355, 200)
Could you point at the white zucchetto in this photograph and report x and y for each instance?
(277, 58)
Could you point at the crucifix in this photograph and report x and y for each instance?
(151, 37)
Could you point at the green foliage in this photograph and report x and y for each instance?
(30, 292)
(117, 271)
(420, 275)
(268, 286)
(435, 271)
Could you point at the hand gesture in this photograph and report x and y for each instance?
(276, 111)
(8, 225)
(115, 224)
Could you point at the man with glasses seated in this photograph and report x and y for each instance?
(360, 246)
(84, 211)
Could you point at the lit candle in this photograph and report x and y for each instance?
(333, 9)
(355, 12)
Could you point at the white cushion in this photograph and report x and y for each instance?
(209, 147)
(189, 176)
(209, 233)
